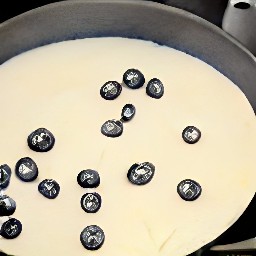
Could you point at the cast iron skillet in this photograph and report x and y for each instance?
(133, 19)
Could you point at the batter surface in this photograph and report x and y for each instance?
(58, 87)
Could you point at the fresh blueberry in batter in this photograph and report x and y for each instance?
(92, 237)
(112, 128)
(7, 206)
(128, 112)
(110, 90)
(11, 229)
(155, 88)
(88, 179)
(191, 134)
(91, 202)
(189, 190)
(133, 78)
(49, 188)
(41, 140)
(5, 176)
(26, 169)
(141, 174)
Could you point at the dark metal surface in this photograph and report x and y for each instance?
(211, 10)
(208, 9)
(11, 8)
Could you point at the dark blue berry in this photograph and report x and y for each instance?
(155, 88)
(5, 176)
(128, 112)
(141, 174)
(189, 190)
(88, 179)
(191, 134)
(7, 206)
(11, 229)
(110, 90)
(26, 169)
(133, 78)
(41, 140)
(112, 128)
(91, 202)
(92, 237)
(49, 188)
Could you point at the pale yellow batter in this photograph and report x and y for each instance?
(57, 87)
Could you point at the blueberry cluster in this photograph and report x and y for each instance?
(42, 140)
(10, 227)
(26, 170)
(190, 190)
(133, 79)
(114, 128)
(90, 201)
(142, 173)
(92, 237)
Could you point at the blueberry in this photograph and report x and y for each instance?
(155, 88)
(92, 237)
(110, 90)
(189, 190)
(112, 128)
(191, 134)
(7, 206)
(11, 229)
(41, 140)
(133, 78)
(5, 176)
(26, 169)
(88, 179)
(128, 112)
(49, 188)
(91, 202)
(141, 174)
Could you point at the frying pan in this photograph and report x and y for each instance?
(138, 19)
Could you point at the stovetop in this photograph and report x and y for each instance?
(208, 9)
